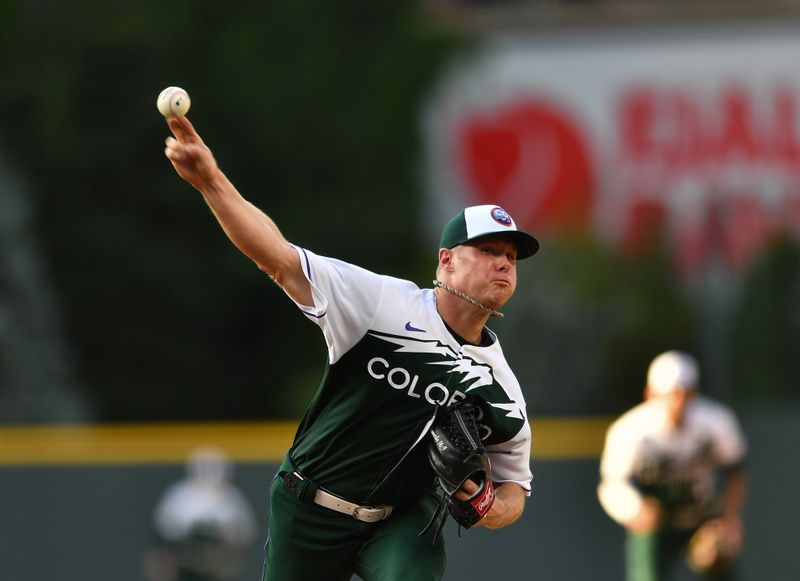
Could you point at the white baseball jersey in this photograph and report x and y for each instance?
(220, 507)
(391, 361)
(643, 455)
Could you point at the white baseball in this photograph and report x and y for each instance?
(173, 102)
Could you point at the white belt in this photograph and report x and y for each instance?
(358, 512)
(362, 513)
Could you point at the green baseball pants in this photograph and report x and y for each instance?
(313, 543)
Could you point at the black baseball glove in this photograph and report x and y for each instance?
(457, 454)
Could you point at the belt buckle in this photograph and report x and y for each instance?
(370, 513)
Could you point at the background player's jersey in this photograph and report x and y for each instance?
(644, 456)
(391, 361)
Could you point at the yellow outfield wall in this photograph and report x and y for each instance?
(153, 443)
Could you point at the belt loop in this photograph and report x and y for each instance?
(303, 488)
(308, 491)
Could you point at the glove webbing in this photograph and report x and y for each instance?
(468, 422)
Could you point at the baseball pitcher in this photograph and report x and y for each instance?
(362, 489)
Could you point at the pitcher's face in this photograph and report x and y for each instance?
(485, 269)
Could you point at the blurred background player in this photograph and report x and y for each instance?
(672, 474)
(204, 525)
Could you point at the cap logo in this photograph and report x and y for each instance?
(500, 216)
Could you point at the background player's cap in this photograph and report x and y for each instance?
(477, 221)
(672, 371)
(209, 465)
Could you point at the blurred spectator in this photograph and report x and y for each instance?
(203, 524)
(672, 474)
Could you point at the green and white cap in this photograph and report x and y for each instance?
(486, 220)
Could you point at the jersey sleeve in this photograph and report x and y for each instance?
(729, 442)
(511, 461)
(616, 492)
(346, 299)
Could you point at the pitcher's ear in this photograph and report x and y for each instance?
(445, 258)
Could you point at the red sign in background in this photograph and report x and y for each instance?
(716, 172)
(530, 158)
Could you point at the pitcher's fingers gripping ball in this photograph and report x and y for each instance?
(173, 102)
(190, 157)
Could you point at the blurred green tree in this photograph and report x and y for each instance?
(310, 108)
(766, 366)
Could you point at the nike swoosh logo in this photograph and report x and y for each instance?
(410, 327)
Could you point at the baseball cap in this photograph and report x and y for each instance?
(485, 220)
(672, 371)
(209, 464)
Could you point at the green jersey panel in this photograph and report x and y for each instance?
(391, 362)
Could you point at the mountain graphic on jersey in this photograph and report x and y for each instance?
(437, 374)
(384, 390)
